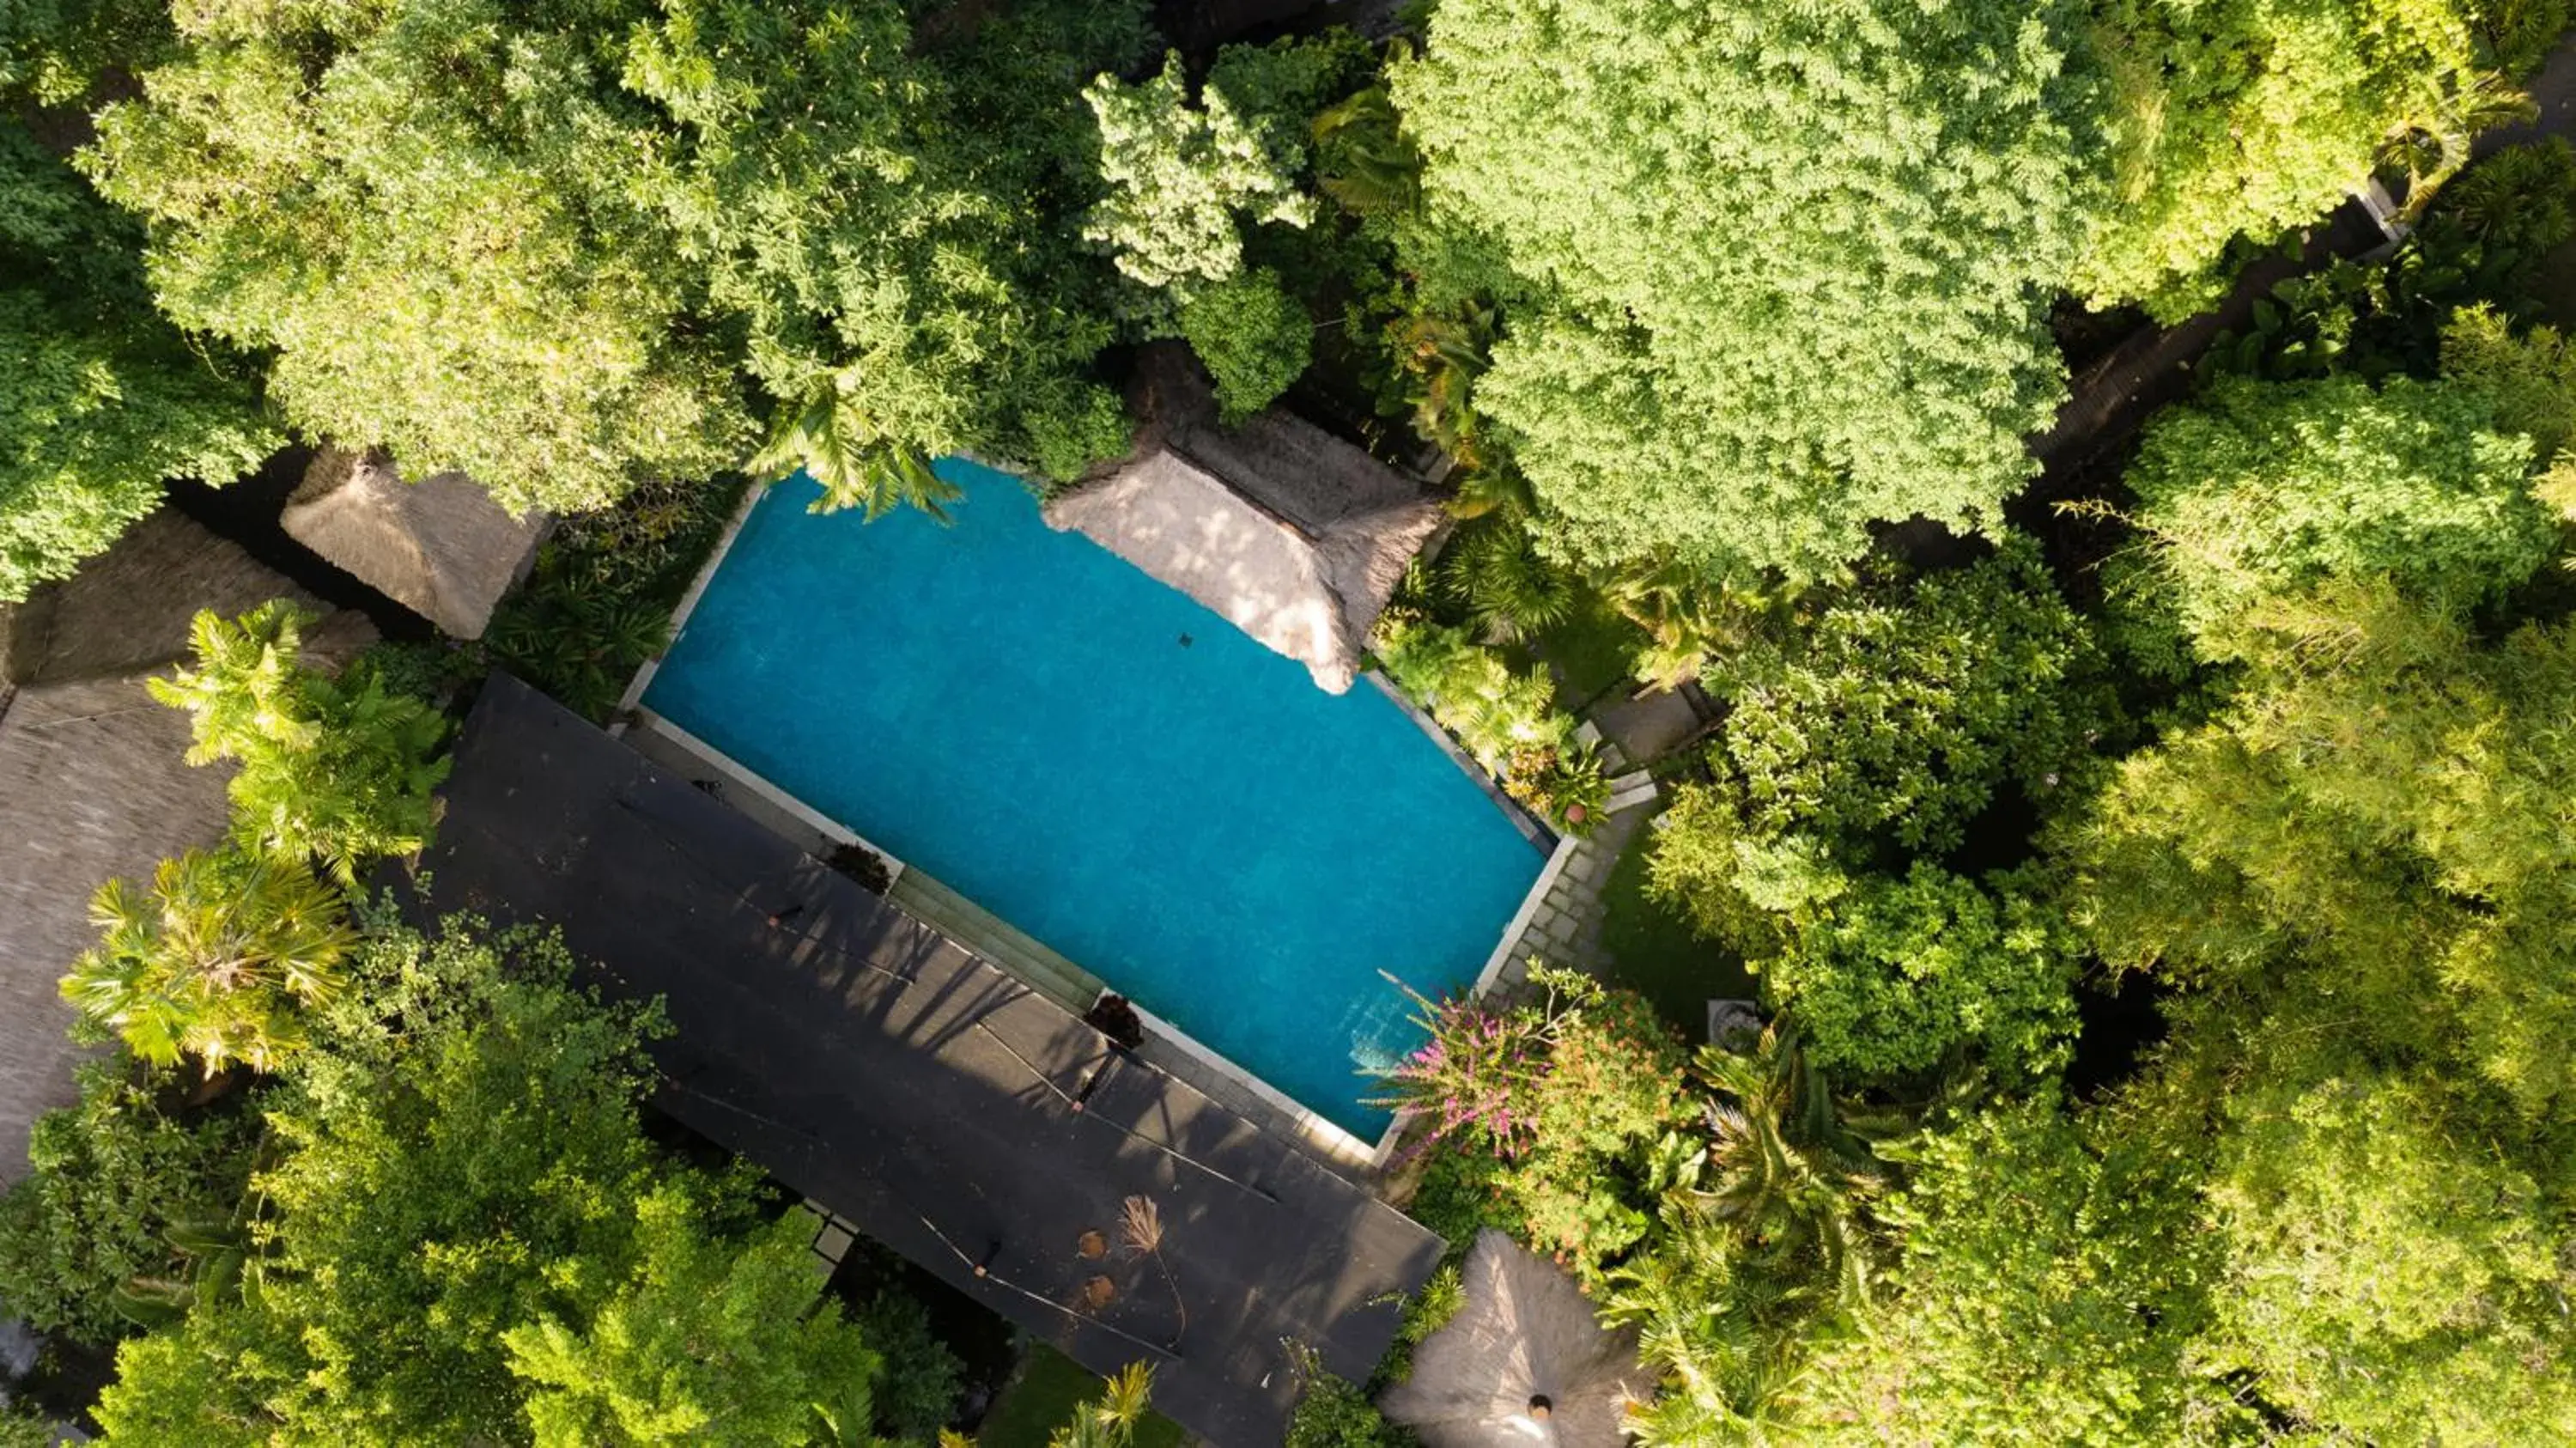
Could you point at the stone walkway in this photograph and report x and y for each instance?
(1566, 928)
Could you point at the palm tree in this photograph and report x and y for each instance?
(1785, 1175)
(1689, 617)
(1110, 1421)
(840, 448)
(214, 961)
(1495, 569)
(1362, 158)
(2435, 146)
(1764, 1234)
(340, 770)
(1716, 1327)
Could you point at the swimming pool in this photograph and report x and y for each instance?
(1111, 768)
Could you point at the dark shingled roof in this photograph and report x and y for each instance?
(877, 1067)
(94, 782)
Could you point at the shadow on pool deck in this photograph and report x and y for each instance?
(876, 1067)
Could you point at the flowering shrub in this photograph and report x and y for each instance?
(1563, 1094)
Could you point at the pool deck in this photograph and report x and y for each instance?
(913, 1090)
(1001, 945)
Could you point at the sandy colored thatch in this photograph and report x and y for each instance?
(439, 547)
(93, 782)
(127, 611)
(1526, 1331)
(1295, 536)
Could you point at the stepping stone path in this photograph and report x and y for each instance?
(1565, 930)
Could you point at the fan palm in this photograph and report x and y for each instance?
(213, 961)
(1363, 160)
(1494, 568)
(834, 443)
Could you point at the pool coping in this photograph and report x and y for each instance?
(1340, 1141)
(633, 699)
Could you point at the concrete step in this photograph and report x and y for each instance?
(995, 939)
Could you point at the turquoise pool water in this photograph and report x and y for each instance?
(1110, 767)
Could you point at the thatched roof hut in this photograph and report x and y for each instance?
(1295, 536)
(439, 547)
(1524, 1364)
(93, 782)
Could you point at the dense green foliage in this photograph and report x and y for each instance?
(333, 769)
(466, 1238)
(609, 215)
(2266, 487)
(426, 214)
(1253, 336)
(1759, 318)
(87, 1233)
(1902, 713)
(214, 961)
(1506, 718)
(1890, 976)
(104, 399)
(2242, 119)
(2052, 1290)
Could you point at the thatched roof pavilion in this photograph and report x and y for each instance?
(93, 782)
(1295, 536)
(1524, 1364)
(439, 547)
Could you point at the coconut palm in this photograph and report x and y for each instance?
(1785, 1175)
(214, 961)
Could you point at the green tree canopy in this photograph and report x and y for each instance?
(2054, 1284)
(108, 1180)
(2244, 118)
(1891, 977)
(468, 1237)
(2269, 487)
(892, 270)
(1789, 269)
(423, 210)
(2394, 1270)
(1179, 176)
(2381, 804)
(1900, 711)
(103, 399)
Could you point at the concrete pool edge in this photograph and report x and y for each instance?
(633, 698)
